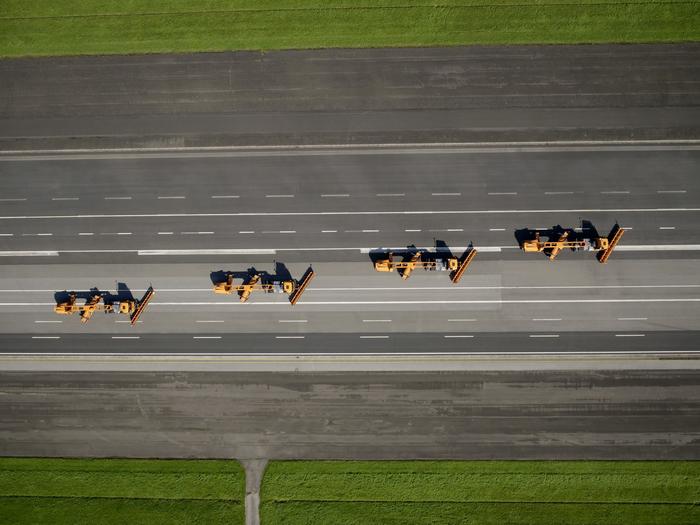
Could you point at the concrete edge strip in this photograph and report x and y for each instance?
(646, 354)
(493, 146)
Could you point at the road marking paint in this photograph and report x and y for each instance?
(165, 233)
(374, 337)
(370, 231)
(503, 193)
(37, 234)
(117, 198)
(246, 231)
(225, 196)
(126, 337)
(632, 318)
(288, 231)
(197, 233)
(45, 337)
(625, 192)
(349, 213)
(279, 196)
(165, 197)
(412, 231)
(86, 233)
(376, 320)
(289, 337)
(46, 253)
(455, 229)
(335, 195)
(667, 227)
(115, 233)
(206, 337)
(461, 320)
(411, 288)
(210, 321)
(48, 321)
(65, 198)
(630, 335)
(329, 231)
(223, 251)
(12, 200)
(390, 194)
(558, 192)
(460, 336)
(455, 194)
(497, 229)
(7, 234)
(552, 319)
(544, 335)
(293, 321)
(413, 302)
(671, 191)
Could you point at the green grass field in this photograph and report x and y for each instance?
(481, 492)
(68, 491)
(48, 27)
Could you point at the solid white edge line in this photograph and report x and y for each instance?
(347, 213)
(548, 355)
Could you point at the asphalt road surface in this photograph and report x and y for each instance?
(96, 220)
(352, 96)
(532, 305)
(503, 415)
(263, 202)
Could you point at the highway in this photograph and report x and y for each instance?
(213, 175)
(266, 202)
(98, 219)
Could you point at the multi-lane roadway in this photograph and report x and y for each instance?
(141, 217)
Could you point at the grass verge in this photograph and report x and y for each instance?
(114, 491)
(47, 27)
(481, 492)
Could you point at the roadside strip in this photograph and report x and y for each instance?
(378, 362)
(353, 149)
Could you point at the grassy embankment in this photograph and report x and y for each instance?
(481, 492)
(47, 27)
(105, 492)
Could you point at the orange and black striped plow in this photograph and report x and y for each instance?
(142, 305)
(463, 263)
(299, 290)
(613, 238)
